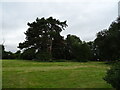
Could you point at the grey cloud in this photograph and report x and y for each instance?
(84, 19)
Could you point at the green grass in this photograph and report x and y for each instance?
(31, 74)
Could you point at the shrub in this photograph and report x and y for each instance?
(113, 76)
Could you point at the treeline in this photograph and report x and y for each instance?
(9, 54)
(44, 42)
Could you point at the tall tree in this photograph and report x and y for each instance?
(108, 42)
(76, 49)
(41, 35)
(72, 41)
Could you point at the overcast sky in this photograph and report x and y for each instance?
(84, 17)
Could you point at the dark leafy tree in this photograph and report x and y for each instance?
(2, 49)
(108, 42)
(85, 52)
(58, 49)
(92, 50)
(76, 49)
(28, 54)
(17, 54)
(113, 76)
(42, 35)
(72, 42)
(6, 54)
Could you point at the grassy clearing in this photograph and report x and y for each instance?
(31, 74)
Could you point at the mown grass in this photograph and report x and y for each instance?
(31, 74)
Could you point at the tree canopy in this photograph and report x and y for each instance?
(44, 42)
(42, 35)
(108, 42)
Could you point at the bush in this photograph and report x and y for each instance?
(113, 76)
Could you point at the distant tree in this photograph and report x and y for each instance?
(17, 54)
(108, 42)
(93, 55)
(72, 42)
(42, 35)
(1, 50)
(85, 52)
(7, 54)
(76, 49)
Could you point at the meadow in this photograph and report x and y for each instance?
(33, 74)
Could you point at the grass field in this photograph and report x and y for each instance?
(31, 74)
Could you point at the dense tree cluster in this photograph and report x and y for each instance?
(107, 42)
(44, 42)
(76, 49)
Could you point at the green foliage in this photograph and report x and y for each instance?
(93, 53)
(72, 43)
(85, 52)
(28, 54)
(5, 54)
(107, 42)
(43, 56)
(113, 76)
(76, 49)
(17, 54)
(44, 36)
(43, 41)
(58, 47)
(8, 55)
